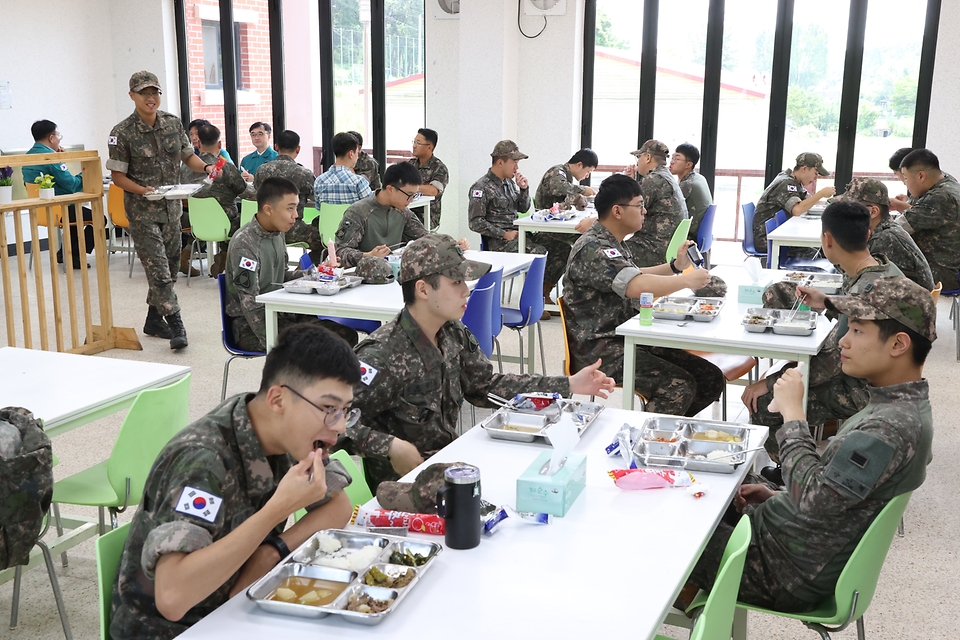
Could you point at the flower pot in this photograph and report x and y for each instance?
(6, 194)
(47, 194)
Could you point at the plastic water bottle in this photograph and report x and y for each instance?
(646, 309)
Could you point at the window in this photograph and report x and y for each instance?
(212, 65)
(301, 68)
(353, 110)
(403, 58)
(682, 43)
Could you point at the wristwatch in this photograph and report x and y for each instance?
(277, 543)
(673, 267)
(205, 168)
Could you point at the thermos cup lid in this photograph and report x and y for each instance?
(462, 474)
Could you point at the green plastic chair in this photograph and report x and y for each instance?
(248, 209)
(310, 214)
(357, 491)
(330, 217)
(109, 550)
(857, 582)
(116, 483)
(679, 236)
(208, 222)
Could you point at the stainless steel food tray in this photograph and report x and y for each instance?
(829, 283)
(299, 563)
(802, 323)
(671, 442)
(323, 287)
(506, 424)
(173, 191)
(682, 308)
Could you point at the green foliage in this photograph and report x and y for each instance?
(808, 57)
(903, 127)
(605, 37)
(807, 109)
(903, 101)
(867, 118)
(44, 180)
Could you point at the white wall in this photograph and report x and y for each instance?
(944, 127)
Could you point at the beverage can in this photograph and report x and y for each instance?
(646, 309)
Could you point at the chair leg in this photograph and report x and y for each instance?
(59, 525)
(473, 417)
(723, 401)
(103, 527)
(15, 608)
(543, 360)
(739, 624)
(496, 343)
(114, 523)
(55, 585)
(520, 335)
(900, 531)
(861, 629)
(226, 376)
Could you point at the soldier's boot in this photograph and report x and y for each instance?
(547, 288)
(219, 264)
(178, 338)
(185, 267)
(155, 325)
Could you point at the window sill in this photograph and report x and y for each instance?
(215, 97)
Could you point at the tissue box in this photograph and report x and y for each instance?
(752, 293)
(551, 494)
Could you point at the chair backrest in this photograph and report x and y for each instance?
(155, 417)
(478, 318)
(567, 364)
(208, 220)
(330, 217)
(531, 298)
(679, 237)
(494, 277)
(248, 209)
(310, 214)
(781, 217)
(705, 230)
(357, 490)
(936, 292)
(717, 618)
(749, 248)
(770, 225)
(33, 191)
(116, 208)
(109, 550)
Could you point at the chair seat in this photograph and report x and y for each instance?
(733, 367)
(512, 318)
(88, 487)
(825, 614)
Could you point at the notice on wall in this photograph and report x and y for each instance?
(6, 101)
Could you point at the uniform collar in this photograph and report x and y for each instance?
(492, 176)
(904, 392)
(39, 147)
(256, 468)
(143, 126)
(284, 158)
(260, 231)
(428, 351)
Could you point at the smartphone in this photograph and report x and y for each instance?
(696, 258)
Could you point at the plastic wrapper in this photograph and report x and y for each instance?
(635, 479)
(217, 170)
(416, 522)
(491, 516)
(530, 518)
(535, 403)
(623, 444)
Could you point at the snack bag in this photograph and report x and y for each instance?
(634, 479)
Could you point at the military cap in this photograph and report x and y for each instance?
(716, 287)
(374, 270)
(654, 148)
(438, 253)
(810, 159)
(508, 149)
(866, 190)
(143, 79)
(894, 298)
(419, 496)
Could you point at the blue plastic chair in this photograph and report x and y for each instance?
(781, 217)
(954, 314)
(749, 247)
(477, 317)
(705, 230)
(531, 308)
(494, 277)
(226, 336)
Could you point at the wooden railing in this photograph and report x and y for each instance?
(73, 314)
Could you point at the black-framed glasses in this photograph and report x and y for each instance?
(410, 196)
(628, 204)
(149, 94)
(331, 414)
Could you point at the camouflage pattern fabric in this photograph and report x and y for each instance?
(221, 455)
(598, 272)
(418, 388)
(665, 209)
(26, 486)
(367, 224)
(287, 167)
(556, 185)
(226, 188)
(785, 192)
(419, 496)
(369, 168)
(158, 246)
(810, 159)
(934, 222)
(891, 298)
(696, 195)
(374, 270)
(435, 174)
(439, 253)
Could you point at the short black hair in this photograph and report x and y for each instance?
(208, 134)
(356, 134)
(196, 124)
(848, 223)
(690, 152)
(266, 127)
(344, 143)
(429, 135)
(273, 189)
(884, 211)
(921, 345)
(410, 293)
(42, 129)
(898, 157)
(307, 352)
(616, 189)
(401, 173)
(287, 140)
(587, 156)
(923, 159)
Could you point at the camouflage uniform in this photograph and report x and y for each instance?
(367, 224)
(555, 185)
(150, 156)
(696, 195)
(286, 167)
(784, 193)
(934, 222)
(226, 187)
(435, 174)
(803, 536)
(595, 284)
(369, 168)
(419, 496)
(219, 454)
(665, 209)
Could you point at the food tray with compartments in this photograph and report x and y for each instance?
(323, 287)
(781, 321)
(173, 191)
(510, 424)
(683, 308)
(829, 283)
(694, 445)
(341, 584)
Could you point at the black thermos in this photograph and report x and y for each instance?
(458, 502)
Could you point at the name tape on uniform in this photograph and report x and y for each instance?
(367, 373)
(248, 264)
(201, 504)
(612, 253)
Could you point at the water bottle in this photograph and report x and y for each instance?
(646, 309)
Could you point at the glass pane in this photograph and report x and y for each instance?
(206, 81)
(211, 55)
(681, 48)
(351, 44)
(301, 68)
(405, 80)
(254, 92)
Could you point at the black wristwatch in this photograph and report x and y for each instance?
(205, 168)
(673, 267)
(277, 543)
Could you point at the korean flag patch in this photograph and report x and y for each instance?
(63, 167)
(477, 193)
(201, 504)
(367, 373)
(112, 140)
(248, 264)
(791, 187)
(612, 253)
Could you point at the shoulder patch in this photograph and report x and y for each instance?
(63, 167)
(112, 140)
(200, 504)
(562, 173)
(612, 253)
(791, 187)
(477, 193)
(248, 264)
(367, 373)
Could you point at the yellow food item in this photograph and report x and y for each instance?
(713, 435)
(309, 591)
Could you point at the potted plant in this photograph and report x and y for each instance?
(6, 185)
(46, 186)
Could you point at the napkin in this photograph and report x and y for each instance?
(752, 267)
(564, 437)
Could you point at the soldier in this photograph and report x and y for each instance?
(263, 151)
(339, 184)
(786, 193)
(420, 366)
(663, 200)
(901, 202)
(803, 536)
(192, 130)
(287, 144)
(693, 186)
(208, 524)
(833, 394)
(933, 218)
(257, 263)
(145, 153)
(557, 183)
(602, 290)
(433, 173)
(366, 165)
(495, 200)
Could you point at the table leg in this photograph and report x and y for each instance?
(271, 317)
(775, 258)
(522, 242)
(629, 366)
(426, 216)
(805, 361)
(530, 351)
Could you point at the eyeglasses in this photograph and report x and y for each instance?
(332, 415)
(410, 196)
(149, 94)
(417, 143)
(258, 134)
(627, 204)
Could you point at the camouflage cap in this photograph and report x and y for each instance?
(894, 298)
(810, 159)
(653, 147)
(438, 253)
(374, 270)
(866, 191)
(143, 79)
(508, 149)
(716, 287)
(419, 496)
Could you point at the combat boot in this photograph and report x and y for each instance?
(178, 337)
(155, 325)
(186, 267)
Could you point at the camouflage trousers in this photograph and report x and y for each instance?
(246, 339)
(158, 247)
(555, 245)
(308, 234)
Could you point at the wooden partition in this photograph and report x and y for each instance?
(69, 311)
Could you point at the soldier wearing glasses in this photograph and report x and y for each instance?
(433, 173)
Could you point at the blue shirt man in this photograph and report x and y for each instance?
(263, 151)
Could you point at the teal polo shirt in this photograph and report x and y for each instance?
(64, 182)
(252, 161)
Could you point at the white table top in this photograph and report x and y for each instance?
(798, 229)
(562, 580)
(557, 226)
(422, 201)
(66, 390)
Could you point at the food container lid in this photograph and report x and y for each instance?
(462, 474)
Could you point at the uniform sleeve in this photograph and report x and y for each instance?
(477, 212)
(363, 188)
(247, 283)
(596, 268)
(349, 236)
(926, 213)
(233, 180)
(119, 152)
(441, 177)
(787, 199)
(374, 174)
(523, 199)
(66, 180)
(413, 228)
(373, 399)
